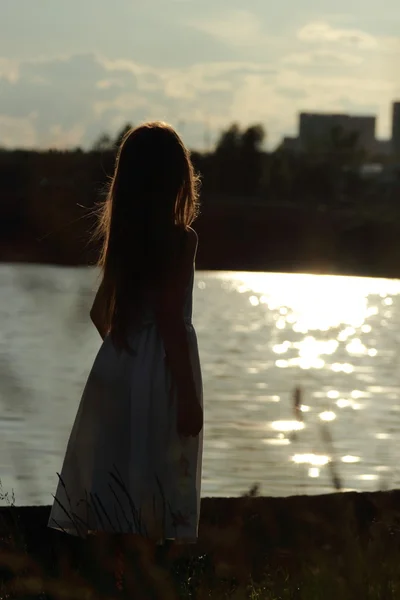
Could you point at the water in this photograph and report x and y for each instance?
(260, 336)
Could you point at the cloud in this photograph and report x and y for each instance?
(76, 98)
(15, 131)
(323, 58)
(61, 93)
(71, 100)
(291, 92)
(200, 94)
(186, 82)
(238, 27)
(8, 69)
(319, 31)
(58, 136)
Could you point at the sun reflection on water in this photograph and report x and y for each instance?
(303, 304)
(287, 426)
(327, 415)
(350, 459)
(331, 327)
(317, 460)
(318, 302)
(313, 472)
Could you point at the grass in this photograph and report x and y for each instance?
(315, 559)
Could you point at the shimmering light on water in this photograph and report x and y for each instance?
(312, 459)
(254, 301)
(281, 348)
(281, 324)
(327, 415)
(276, 441)
(287, 425)
(313, 472)
(356, 347)
(342, 368)
(342, 403)
(356, 394)
(261, 336)
(282, 364)
(351, 459)
(319, 302)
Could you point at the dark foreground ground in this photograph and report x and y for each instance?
(339, 546)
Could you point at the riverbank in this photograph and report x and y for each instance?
(297, 219)
(342, 545)
(256, 237)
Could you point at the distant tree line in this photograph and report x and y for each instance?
(47, 200)
(238, 170)
(326, 174)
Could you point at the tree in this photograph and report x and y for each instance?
(229, 141)
(238, 160)
(253, 138)
(122, 133)
(103, 143)
(252, 160)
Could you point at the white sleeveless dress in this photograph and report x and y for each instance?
(126, 469)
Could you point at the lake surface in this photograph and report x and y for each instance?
(261, 335)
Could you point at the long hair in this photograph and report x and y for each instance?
(153, 194)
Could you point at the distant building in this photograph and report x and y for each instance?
(315, 132)
(316, 129)
(383, 148)
(292, 144)
(396, 129)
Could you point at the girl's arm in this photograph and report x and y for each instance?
(97, 312)
(169, 306)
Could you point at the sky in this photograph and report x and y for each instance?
(70, 71)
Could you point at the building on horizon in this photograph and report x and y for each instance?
(383, 148)
(315, 131)
(292, 144)
(396, 129)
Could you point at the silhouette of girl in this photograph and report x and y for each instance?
(133, 460)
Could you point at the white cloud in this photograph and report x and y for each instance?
(105, 84)
(201, 93)
(237, 28)
(8, 69)
(323, 58)
(187, 82)
(124, 103)
(18, 131)
(320, 32)
(204, 62)
(316, 67)
(59, 136)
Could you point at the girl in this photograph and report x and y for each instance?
(133, 460)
